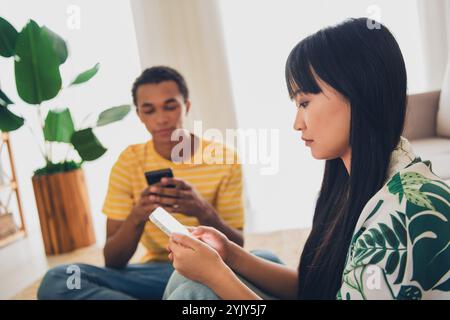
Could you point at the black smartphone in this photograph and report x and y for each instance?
(155, 176)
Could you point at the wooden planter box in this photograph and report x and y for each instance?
(64, 211)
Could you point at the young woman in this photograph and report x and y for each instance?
(381, 224)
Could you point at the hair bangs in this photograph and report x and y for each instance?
(299, 72)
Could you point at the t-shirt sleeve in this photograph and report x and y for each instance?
(119, 197)
(230, 204)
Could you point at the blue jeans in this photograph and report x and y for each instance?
(181, 288)
(135, 281)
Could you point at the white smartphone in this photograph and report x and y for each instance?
(167, 223)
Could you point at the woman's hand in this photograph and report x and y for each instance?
(195, 259)
(214, 238)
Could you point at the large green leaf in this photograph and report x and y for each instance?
(87, 145)
(59, 126)
(8, 38)
(4, 100)
(429, 233)
(86, 75)
(9, 121)
(113, 114)
(37, 67)
(59, 45)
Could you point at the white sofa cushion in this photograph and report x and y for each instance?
(443, 115)
(436, 150)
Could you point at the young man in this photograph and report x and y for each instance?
(204, 194)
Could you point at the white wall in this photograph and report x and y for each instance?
(259, 35)
(106, 35)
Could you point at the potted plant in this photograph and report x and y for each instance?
(59, 186)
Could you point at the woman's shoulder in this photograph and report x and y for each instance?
(413, 189)
(405, 231)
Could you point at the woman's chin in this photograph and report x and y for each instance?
(316, 154)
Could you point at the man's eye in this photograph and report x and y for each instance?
(148, 111)
(171, 107)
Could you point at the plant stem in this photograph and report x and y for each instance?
(361, 277)
(46, 156)
(69, 148)
(36, 139)
(85, 119)
(389, 287)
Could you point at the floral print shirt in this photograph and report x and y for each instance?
(400, 247)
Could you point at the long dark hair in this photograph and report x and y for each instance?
(366, 66)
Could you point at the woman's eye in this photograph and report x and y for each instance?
(303, 104)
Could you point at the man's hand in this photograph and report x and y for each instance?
(145, 206)
(182, 198)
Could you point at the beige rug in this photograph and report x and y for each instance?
(286, 244)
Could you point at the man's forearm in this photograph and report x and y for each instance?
(120, 247)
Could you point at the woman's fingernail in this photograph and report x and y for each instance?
(153, 189)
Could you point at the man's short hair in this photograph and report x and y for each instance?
(157, 75)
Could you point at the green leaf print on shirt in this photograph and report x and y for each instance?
(383, 243)
(408, 184)
(428, 214)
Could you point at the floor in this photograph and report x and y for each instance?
(23, 263)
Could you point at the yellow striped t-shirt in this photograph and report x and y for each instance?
(218, 182)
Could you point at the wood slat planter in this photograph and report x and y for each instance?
(64, 211)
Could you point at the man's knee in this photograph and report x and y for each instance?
(51, 283)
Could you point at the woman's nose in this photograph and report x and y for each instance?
(299, 123)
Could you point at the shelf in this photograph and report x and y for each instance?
(12, 238)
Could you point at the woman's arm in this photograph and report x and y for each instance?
(228, 286)
(274, 278)
(198, 261)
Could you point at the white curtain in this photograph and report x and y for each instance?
(434, 18)
(187, 35)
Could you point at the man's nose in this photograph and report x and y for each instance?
(161, 118)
